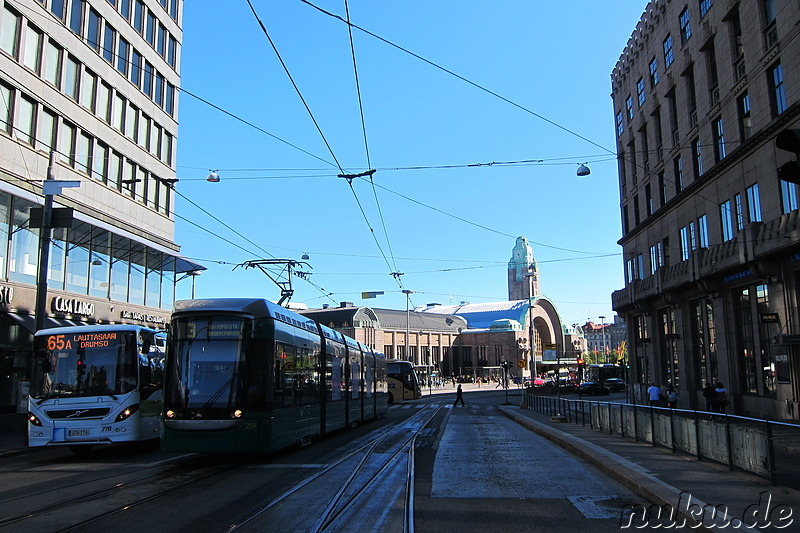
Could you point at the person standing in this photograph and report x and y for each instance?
(459, 397)
(720, 398)
(709, 393)
(672, 397)
(653, 395)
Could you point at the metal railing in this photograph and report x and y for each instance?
(763, 447)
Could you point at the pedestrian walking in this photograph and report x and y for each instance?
(459, 397)
(653, 395)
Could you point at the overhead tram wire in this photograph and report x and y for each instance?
(296, 88)
(480, 225)
(476, 85)
(316, 124)
(262, 130)
(462, 78)
(392, 267)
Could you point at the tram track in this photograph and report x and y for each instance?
(34, 518)
(350, 480)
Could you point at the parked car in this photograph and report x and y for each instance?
(593, 388)
(615, 384)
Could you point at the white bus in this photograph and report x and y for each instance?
(402, 381)
(95, 385)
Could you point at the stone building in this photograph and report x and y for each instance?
(469, 339)
(710, 226)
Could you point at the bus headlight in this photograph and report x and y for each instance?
(127, 412)
(237, 413)
(33, 419)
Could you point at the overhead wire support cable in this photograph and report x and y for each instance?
(296, 88)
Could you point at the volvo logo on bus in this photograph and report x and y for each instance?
(72, 306)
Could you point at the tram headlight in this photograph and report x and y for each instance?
(34, 420)
(237, 413)
(127, 412)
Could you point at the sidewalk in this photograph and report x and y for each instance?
(13, 436)
(676, 482)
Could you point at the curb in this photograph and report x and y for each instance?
(651, 488)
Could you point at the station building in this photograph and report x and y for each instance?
(95, 84)
(710, 225)
(469, 340)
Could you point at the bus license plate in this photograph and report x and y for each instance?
(78, 433)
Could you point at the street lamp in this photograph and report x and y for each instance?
(408, 294)
(603, 326)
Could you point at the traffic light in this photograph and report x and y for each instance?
(580, 363)
(789, 140)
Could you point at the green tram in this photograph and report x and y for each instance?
(248, 376)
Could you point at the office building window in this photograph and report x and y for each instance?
(653, 72)
(726, 220)
(640, 92)
(753, 203)
(620, 126)
(686, 243)
(686, 27)
(745, 121)
(648, 200)
(739, 212)
(72, 80)
(136, 68)
(778, 90)
(697, 156)
(719, 140)
(654, 260)
(770, 24)
(788, 197)
(6, 106)
(705, 5)
(669, 55)
(47, 131)
(123, 51)
(58, 8)
(93, 30)
(678, 166)
(109, 41)
(629, 107)
(52, 63)
(88, 90)
(32, 50)
(138, 16)
(76, 16)
(702, 230)
(9, 38)
(26, 120)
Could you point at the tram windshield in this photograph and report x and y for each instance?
(205, 359)
(85, 364)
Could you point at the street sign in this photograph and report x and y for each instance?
(769, 318)
(522, 363)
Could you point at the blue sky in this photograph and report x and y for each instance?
(450, 231)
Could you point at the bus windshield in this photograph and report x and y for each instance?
(86, 364)
(205, 356)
